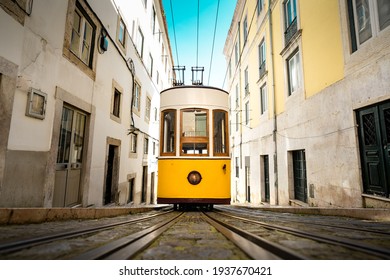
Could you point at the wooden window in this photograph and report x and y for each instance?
(168, 132)
(83, 33)
(220, 135)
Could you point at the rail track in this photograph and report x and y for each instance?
(255, 240)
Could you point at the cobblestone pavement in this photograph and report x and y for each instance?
(192, 238)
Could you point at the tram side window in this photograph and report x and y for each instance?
(168, 132)
(194, 132)
(220, 133)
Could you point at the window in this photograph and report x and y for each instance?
(146, 146)
(150, 65)
(246, 77)
(116, 104)
(83, 34)
(237, 97)
(236, 54)
(168, 132)
(133, 143)
(290, 18)
(154, 20)
(237, 121)
(245, 29)
(122, 32)
(194, 132)
(220, 133)
(147, 109)
(140, 42)
(366, 19)
(260, 4)
(263, 99)
(137, 97)
(247, 113)
(262, 59)
(294, 76)
(237, 164)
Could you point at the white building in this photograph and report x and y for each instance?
(66, 106)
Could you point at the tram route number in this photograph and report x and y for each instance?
(241, 270)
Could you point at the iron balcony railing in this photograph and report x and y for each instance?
(290, 31)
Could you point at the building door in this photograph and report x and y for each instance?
(266, 177)
(144, 183)
(247, 180)
(152, 178)
(374, 139)
(300, 180)
(112, 173)
(69, 158)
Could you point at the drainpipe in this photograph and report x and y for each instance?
(240, 90)
(274, 132)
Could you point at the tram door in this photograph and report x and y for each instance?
(69, 158)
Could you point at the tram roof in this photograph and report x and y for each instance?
(194, 86)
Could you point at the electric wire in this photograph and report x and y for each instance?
(212, 48)
(174, 34)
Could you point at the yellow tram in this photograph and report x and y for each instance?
(194, 161)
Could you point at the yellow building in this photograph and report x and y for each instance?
(310, 102)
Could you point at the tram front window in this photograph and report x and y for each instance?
(194, 132)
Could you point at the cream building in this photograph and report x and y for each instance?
(310, 102)
(79, 96)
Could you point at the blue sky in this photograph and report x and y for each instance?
(185, 20)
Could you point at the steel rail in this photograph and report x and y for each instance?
(314, 223)
(129, 246)
(347, 243)
(8, 247)
(254, 246)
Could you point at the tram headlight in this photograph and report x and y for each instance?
(194, 177)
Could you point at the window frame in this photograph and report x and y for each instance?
(225, 134)
(194, 139)
(137, 98)
(263, 99)
(298, 66)
(162, 132)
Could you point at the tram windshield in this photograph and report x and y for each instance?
(194, 132)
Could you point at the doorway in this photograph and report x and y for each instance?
(69, 158)
(112, 174)
(374, 140)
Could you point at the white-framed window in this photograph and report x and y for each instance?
(263, 99)
(146, 145)
(290, 20)
(237, 121)
(236, 52)
(237, 97)
(262, 58)
(122, 32)
(137, 97)
(83, 33)
(367, 18)
(147, 109)
(260, 4)
(246, 80)
(116, 103)
(150, 65)
(245, 29)
(294, 72)
(133, 143)
(140, 42)
(247, 114)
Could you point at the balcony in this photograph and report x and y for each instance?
(290, 31)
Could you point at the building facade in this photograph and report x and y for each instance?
(310, 102)
(79, 99)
